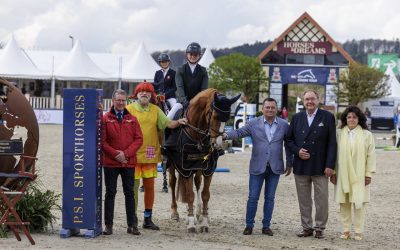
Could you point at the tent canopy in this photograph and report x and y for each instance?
(141, 67)
(76, 65)
(15, 63)
(394, 83)
(207, 59)
(79, 66)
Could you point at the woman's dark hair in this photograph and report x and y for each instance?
(362, 120)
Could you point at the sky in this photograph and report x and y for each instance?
(118, 26)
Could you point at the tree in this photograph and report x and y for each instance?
(239, 73)
(360, 83)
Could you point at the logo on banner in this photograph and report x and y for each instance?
(276, 75)
(332, 77)
(305, 76)
(375, 63)
(313, 48)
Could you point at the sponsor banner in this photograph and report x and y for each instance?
(307, 48)
(49, 116)
(314, 75)
(381, 62)
(330, 96)
(382, 109)
(82, 170)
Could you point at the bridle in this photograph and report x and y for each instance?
(207, 132)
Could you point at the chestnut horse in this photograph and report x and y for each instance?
(193, 151)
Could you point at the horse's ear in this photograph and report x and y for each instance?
(234, 99)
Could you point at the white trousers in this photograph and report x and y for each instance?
(173, 110)
(346, 217)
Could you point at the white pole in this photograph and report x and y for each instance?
(53, 88)
(120, 73)
(244, 123)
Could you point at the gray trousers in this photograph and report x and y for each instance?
(304, 184)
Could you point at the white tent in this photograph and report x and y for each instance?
(394, 83)
(141, 67)
(15, 63)
(207, 59)
(79, 67)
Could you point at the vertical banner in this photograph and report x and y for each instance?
(82, 172)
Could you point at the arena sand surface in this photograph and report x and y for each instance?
(227, 211)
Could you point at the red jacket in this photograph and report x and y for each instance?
(125, 136)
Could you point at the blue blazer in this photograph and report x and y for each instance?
(165, 85)
(265, 151)
(319, 139)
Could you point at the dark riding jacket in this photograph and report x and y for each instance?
(189, 84)
(165, 85)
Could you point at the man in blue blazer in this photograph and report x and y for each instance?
(266, 164)
(312, 140)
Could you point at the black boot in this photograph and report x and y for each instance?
(108, 230)
(148, 224)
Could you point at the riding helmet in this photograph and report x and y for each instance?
(163, 57)
(194, 48)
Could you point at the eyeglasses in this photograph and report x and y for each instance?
(122, 101)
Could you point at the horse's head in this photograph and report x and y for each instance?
(208, 111)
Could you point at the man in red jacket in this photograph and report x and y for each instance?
(121, 138)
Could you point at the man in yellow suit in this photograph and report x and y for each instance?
(152, 120)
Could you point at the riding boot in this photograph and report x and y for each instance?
(148, 223)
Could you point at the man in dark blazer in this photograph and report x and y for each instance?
(266, 164)
(164, 80)
(312, 140)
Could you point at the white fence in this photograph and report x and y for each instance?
(44, 102)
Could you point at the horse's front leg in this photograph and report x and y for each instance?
(190, 200)
(205, 195)
(197, 182)
(172, 184)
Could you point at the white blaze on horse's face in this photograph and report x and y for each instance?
(218, 141)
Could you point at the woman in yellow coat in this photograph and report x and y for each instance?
(355, 165)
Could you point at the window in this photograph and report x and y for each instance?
(304, 59)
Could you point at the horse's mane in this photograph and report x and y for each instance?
(199, 107)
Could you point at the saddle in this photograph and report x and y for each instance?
(189, 155)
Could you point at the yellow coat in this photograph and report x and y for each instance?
(355, 160)
(151, 120)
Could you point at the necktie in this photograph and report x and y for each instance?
(119, 116)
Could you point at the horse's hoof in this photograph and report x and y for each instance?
(175, 217)
(192, 230)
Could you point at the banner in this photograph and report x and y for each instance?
(301, 74)
(49, 116)
(82, 170)
(381, 62)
